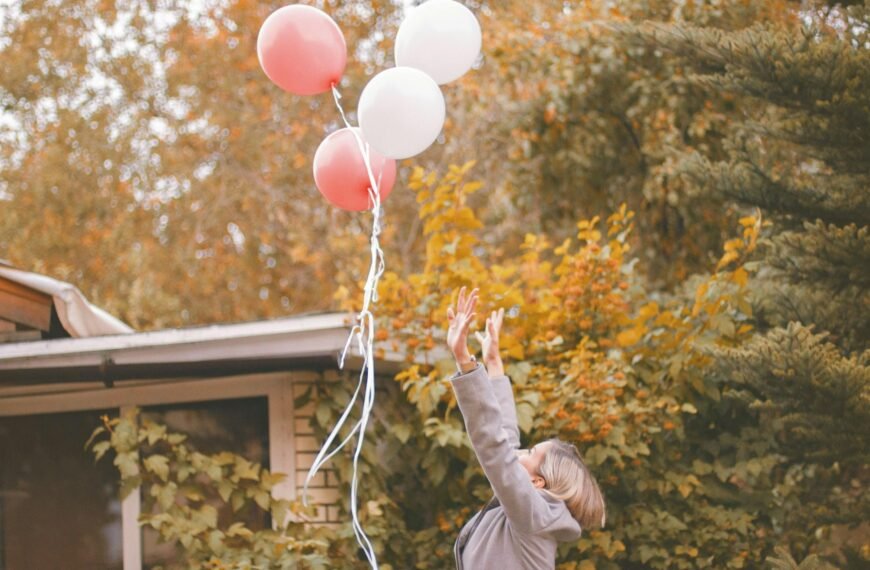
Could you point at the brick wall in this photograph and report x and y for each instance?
(323, 491)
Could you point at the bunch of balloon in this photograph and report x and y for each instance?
(302, 50)
(401, 113)
(401, 110)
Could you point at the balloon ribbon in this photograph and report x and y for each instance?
(364, 332)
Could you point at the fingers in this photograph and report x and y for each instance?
(480, 338)
(463, 316)
(465, 323)
(466, 301)
(472, 302)
(494, 322)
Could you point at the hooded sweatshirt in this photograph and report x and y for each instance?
(521, 527)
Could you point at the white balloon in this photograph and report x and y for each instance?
(401, 112)
(440, 37)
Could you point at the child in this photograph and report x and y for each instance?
(543, 495)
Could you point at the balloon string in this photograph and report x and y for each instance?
(364, 332)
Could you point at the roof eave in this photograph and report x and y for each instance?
(300, 342)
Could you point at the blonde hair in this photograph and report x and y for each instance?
(568, 479)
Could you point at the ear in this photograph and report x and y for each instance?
(538, 482)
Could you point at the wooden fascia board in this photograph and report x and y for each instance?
(24, 306)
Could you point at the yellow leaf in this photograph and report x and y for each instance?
(740, 276)
(630, 336)
(341, 293)
(726, 259)
(563, 249)
(618, 546)
(472, 187)
(517, 352)
(589, 235)
(649, 310)
(733, 244)
(374, 509)
(700, 293)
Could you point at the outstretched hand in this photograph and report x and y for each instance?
(490, 344)
(459, 322)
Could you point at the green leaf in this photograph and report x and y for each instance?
(402, 431)
(244, 469)
(166, 495)
(323, 413)
(224, 458)
(159, 465)
(238, 500)
(216, 542)
(215, 472)
(723, 324)
(94, 434)
(100, 449)
(525, 416)
(127, 463)
(153, 432)
(193, 494)
(279, 512)
(269, 480)
(176, 438)
(262, 498)
(130, 485)
(303, 399)
(225, 489)
(518, 372)
(208, 515)
(239, 529)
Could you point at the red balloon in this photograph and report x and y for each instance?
(340, 171)
(302, 50)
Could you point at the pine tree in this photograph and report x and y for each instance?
(802, 155)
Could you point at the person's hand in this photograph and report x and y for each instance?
(459, 322)
(489, 343)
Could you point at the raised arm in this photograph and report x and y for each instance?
(525, 507)
(494, 438)
(504, 395)
(489, 342)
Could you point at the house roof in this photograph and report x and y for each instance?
(78, 317)
(218, 350)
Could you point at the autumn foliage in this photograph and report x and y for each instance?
(593, 361)
(668, 198)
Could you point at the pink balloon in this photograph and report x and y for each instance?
(340, 171)
(302, 50)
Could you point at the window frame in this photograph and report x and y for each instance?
(277, 387)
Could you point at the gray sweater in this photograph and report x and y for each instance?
(521, 528)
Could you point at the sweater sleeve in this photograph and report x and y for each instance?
(504, 394)
(524, 506)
